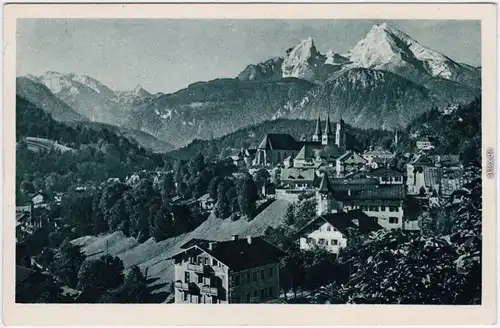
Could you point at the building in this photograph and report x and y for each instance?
(382, 202)
(297, 178)
(424, 144)
(236, 271)
(206, 202)
(275, 148)
(348, 163)
(386, 175)
(376, 158)
(422, 176)
(331, 231)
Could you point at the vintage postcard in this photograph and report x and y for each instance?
(249, 164)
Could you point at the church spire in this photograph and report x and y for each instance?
(317, 133)
(318, 127)
(328, 128)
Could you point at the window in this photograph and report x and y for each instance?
(186, 277)
(373, 208)
(329, 228)
(255, 293)
(262, 294)
(215, 262)
(271, 272)
(271, 292)
(214, 300)
(310, 241)
(382, 208)
(237, 280)
(186, 296)
(393, 220)
(334, 242)
(321, 241)
(248, 276)
(393, 208)
(261, 274)
(200, 279)
(248, 297)
(206, 261)
(192, 260)
(254, 276)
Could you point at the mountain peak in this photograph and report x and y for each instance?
(139, 91)
(304, 50)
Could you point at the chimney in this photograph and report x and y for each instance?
(234, 237)
(249, 240)
(211, 245)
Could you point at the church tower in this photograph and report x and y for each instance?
(327, 137)
(324, 197)
(340, 135)
(317, 133)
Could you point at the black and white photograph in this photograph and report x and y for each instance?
(223, 161)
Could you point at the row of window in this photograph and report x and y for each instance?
(387, 179)
(203, 260)
(199, 298)
(392, 219)
(328, 228)
(322, 241)
(200, 279)
(248, 277)
(262, 294)
(374, 208)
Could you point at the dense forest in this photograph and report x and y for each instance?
(95, 155)
(455, 133)
(300, 129)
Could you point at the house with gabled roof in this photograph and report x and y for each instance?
(236, 271)
(350, 162)
(333, 230)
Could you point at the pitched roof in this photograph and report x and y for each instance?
(328, 127)
(318, 127)
(308, 151)
(385, 172)
(325, 186)
(279, 141)
(238, 254)
(351, 155)
(341, 221)
(366, 223)
(298, 174)
(422, 159)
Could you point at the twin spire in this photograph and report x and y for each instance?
(328, 127)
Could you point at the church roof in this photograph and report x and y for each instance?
(328, 127)
(279, 141)
(318, 127)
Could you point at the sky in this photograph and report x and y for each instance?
(168, 54)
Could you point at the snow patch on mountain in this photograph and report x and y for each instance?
(303, 61)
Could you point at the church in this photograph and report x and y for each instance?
(326, 146)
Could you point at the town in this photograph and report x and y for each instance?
(354, 194)
(247, 161)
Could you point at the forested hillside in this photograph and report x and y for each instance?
(299, 129)
(455, 133)
(98, 155)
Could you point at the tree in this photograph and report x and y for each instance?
(261, 177)
(247, 196)
(213, 185)
(67, 263)
(223, 206)
(97, 276)
(290, 215)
